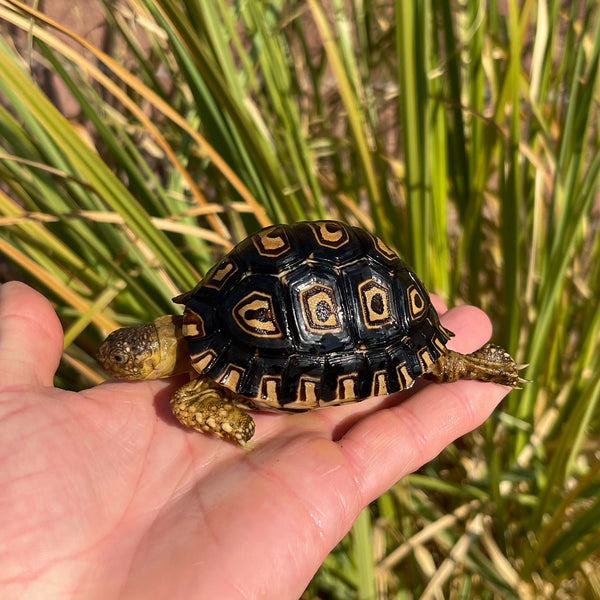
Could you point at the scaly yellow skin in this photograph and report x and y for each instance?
(157, 349)
(146, 351)
(489, 363)
(204, 405)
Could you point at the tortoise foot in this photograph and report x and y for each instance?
(206, 406)
(490, 363)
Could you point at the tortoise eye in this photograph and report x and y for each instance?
(120, 359)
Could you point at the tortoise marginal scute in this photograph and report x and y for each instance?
(272, 241)
(438, 343)
(218, 276)
(426, 359)
(193, 325)
(384, 249)
(404, 377)
(379, 386)
(347, 386)
(203, 360)
(231, 377)
(330, 233)
(269, 387)
(307, 390)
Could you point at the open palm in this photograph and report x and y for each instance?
(104, 495)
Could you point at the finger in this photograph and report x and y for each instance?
(471, 327)
(419, 428)
(30, 336)
(438, 304)
(416, 431)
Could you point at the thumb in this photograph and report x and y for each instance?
(30, 337)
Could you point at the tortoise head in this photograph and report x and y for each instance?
(146, 351)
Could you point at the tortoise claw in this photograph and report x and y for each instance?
(522, 379)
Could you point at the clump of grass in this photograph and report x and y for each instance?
(466, 138)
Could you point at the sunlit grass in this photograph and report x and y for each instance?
(464, 134)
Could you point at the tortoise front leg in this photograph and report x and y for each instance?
(207, 406)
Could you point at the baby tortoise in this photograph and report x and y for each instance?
(297, 317)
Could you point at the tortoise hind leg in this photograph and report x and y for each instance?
(490, 363)
(207, 406)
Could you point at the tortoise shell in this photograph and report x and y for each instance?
(311, 314)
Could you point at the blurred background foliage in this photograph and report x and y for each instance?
(140, 140)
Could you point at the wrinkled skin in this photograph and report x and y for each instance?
(104, 495)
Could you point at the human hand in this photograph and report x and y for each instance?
(104, 495)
